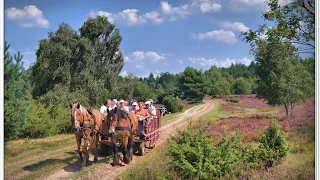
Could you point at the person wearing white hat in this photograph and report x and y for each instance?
(152, 110)
(123, 105)
(134, 107)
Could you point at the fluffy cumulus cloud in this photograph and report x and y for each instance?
(30, 16)
(206, 6)
(138, 56)
(133, 17)
(217, 35)
(174, 12)
(164, 12)
(130, 17)
(237, 26)
(219, 63)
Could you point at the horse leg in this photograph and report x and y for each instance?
(130, 144)
(125, 150)
(97, 146)
(78, 139)
(86, 153)
(115, 155)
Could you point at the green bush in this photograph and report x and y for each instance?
(232, 99)
(39, 122)
(273, 146)
(195, 157)
(46, 121)
(172, 104)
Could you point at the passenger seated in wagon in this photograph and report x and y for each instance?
(123, 105)
(107, 105)
(151, 109)
(142, 113)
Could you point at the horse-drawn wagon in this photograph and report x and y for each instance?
(146, 136)
(119, 128)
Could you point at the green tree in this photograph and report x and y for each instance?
(294, 22)
(282, 78)
(172, 104)
(221, 87)
(89, 61)
(142, 91)
(194, 84)
(242, 86)
(15, 99)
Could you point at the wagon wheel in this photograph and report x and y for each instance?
(141, 149)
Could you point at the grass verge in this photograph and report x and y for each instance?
(19, 149)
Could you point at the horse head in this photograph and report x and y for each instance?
(112, 120)
(78, 115)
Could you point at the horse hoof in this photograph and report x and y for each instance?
(126, 160)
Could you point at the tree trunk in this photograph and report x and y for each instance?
(286, 107)
(292, 108)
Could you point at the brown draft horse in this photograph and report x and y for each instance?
(122, 126)
(86, 124)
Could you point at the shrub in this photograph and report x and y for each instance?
(273, 146)
(172, 104)
(39, 122)
(194, 156)
(232, 99)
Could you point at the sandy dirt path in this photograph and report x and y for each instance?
(108, 172)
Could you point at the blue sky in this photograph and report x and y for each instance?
(158, 36)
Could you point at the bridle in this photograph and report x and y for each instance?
(82, 126)
(116, 122)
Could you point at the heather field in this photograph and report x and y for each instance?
(250, 118)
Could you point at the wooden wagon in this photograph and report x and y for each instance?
(148, 133)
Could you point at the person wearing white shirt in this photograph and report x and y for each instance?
(114, 103)
(151, 109)
(107, 104)
(123, 105)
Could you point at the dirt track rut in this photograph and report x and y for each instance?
(108, 172)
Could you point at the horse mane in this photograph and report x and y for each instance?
(83, 110)
(123, 114)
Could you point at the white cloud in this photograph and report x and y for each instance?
(30, 16)
(218, 35)
(126, 59)
(180, 62)
(165, 12)
(139, 66)
(124, 73)
(174, 12)
(254, 4)
(132, 17)
(206, 6)
(142, 56)
(219, 63)
(237, 26)
(154, 17)
(129, 17)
